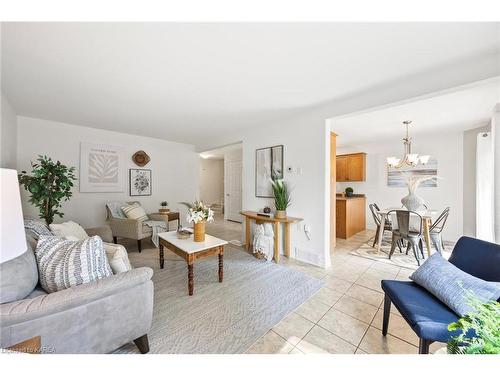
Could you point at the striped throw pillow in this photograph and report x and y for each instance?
(135, 211)
(63, 263)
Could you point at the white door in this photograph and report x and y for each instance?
(232, 189)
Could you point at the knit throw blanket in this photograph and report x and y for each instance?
(158, 227)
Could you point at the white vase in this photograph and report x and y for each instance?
(413, 202)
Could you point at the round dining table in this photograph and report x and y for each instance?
(427, 216)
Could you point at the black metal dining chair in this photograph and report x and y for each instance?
(404, 232)
(436, 229)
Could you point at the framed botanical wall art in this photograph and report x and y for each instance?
(268, 162)
(102, 168)
(140, 182)
(397, 179)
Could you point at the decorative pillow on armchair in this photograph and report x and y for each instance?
(135, 211)
(448, 282)
(64, 263)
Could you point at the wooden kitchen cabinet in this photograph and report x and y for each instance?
(351, 167)
(351, 215)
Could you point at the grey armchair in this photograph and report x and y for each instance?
(121, 226)
(97, 317)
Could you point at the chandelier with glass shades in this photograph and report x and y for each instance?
(409, 159)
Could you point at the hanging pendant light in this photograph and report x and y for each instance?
(409, 159)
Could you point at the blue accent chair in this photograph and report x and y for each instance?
(426, 315)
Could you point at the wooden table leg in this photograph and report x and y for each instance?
(247, 233)
(221, 264)
(190, 279)
(381, 231)
(277, 242)
(30, 346)
(287, 240)
(427, 236)
(161, 256)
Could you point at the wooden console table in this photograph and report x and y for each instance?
(251, 215)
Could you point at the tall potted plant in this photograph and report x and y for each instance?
(199, 214)
(282, 197)
(49, 184)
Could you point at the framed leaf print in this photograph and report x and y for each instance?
(101, 168)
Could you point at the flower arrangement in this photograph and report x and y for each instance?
(198, 212)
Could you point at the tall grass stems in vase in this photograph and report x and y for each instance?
(282, 199)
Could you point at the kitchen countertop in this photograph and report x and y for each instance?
(345, 198)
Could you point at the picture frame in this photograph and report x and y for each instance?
(395, 177)
(140, 182)
(102, 168)
(268, 162)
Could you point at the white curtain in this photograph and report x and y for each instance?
(495, 132)
(485, 188)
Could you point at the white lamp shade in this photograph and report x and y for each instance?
(392, 161)
(413, 158)
(12, 236)
(424, 159)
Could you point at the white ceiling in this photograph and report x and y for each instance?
(192, 82)
(456, 111)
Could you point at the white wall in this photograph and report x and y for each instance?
(303, 138)
(8, 135)
(175, 166)
(447, 148)
(469, 199)
(212, 180)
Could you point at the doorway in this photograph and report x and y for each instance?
(221, 181)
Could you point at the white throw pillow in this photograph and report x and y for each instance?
(63, 263)
(117, 258)
(68, 230)
(135, 211)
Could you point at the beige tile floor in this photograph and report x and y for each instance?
(345, 315)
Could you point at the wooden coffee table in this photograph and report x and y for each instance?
(191, 251)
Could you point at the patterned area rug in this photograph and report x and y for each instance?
(398, 259)
(219, 318)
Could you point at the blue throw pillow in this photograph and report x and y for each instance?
(448, 282)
